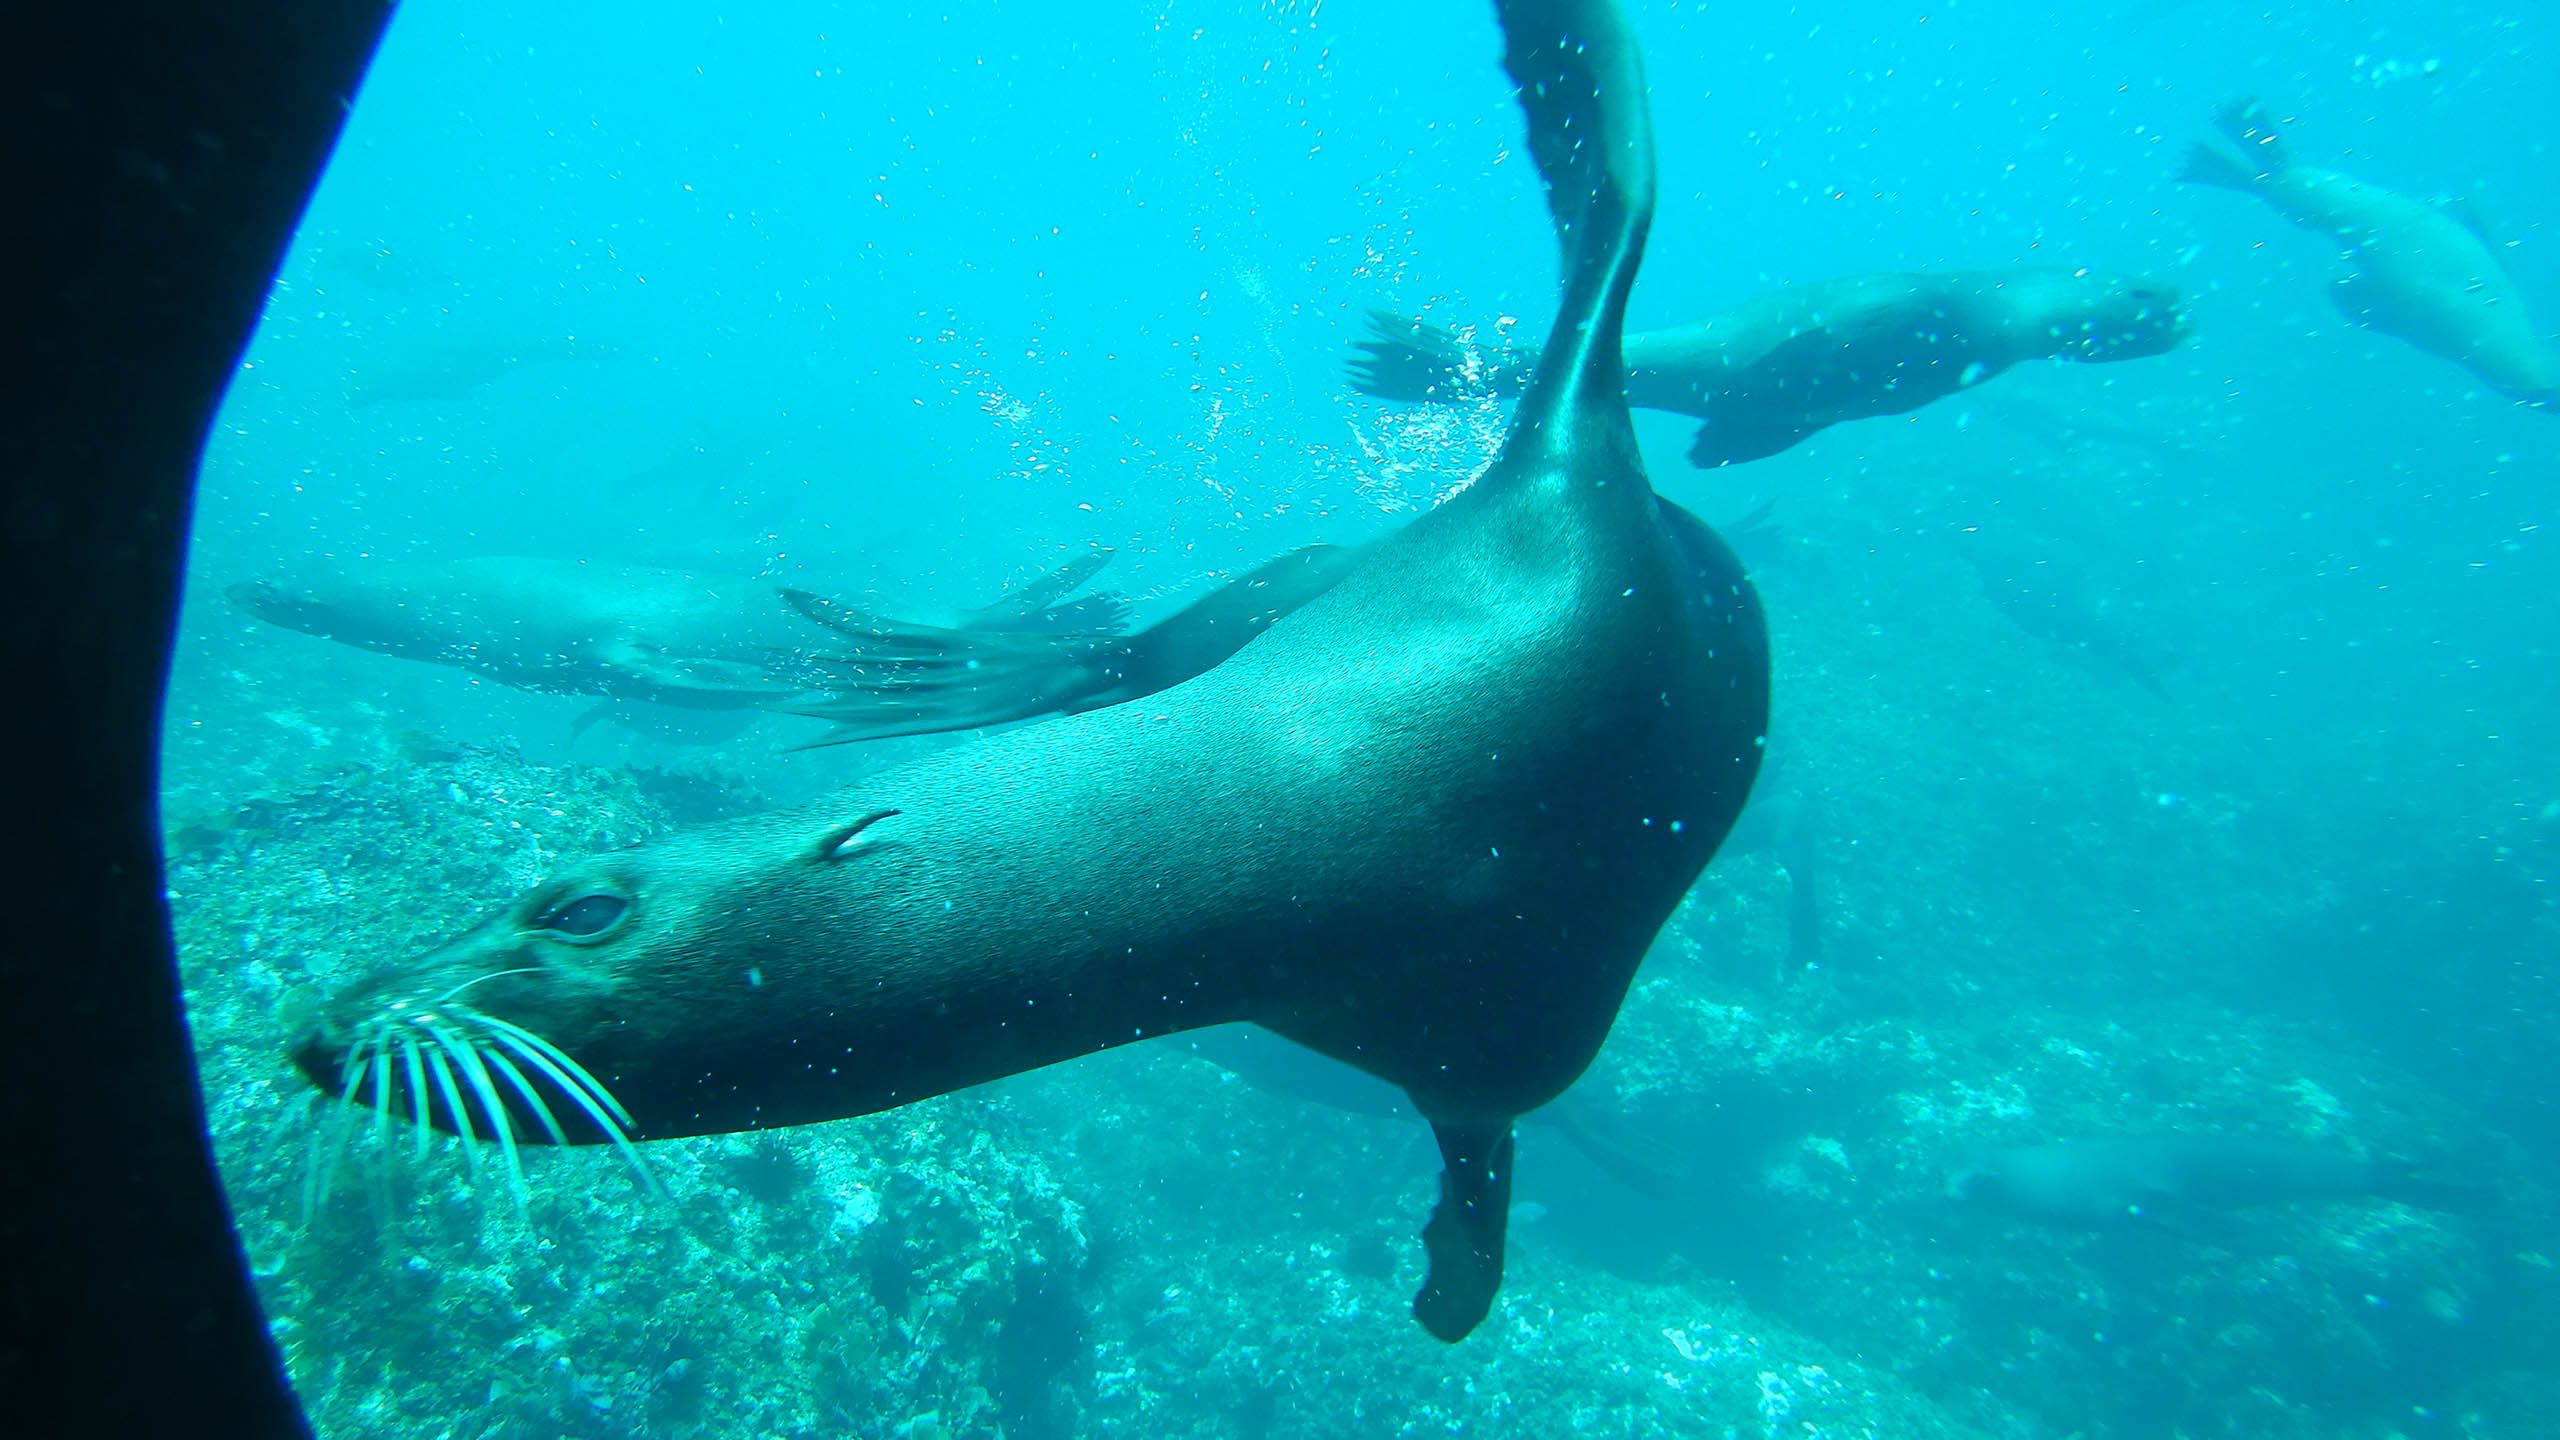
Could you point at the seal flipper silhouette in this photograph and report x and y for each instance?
(161, 155)
(904, 678)
(1407, 359)
(1044, 605)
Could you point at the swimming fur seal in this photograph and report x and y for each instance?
(161, 155)
(2170, 1179)
(1772, 371)
(621, 632)
(2413, 270)
(1427, 824)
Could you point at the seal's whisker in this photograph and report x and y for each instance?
(322, 1177)
(447, 997)
(476, 1074)
(558, 1057)
(532, 1098)
(453, 1105)
(414, 1071)
(508, 1035)
(380, 1068)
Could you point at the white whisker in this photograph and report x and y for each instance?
(380, 1067)
(447, 996)
(415, 1071)
(514, 1077)
(453, 1105)
(559, 1057)
(515, 1038)
(322, 1177)
(501, 1124)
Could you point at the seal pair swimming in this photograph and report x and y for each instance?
(1427, 823)
(1775, 370)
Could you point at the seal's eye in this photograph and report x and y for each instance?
(585, 917)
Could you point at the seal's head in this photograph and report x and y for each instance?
(2113, 317)
(666, 989)
(445, 1039)
(293, 607)
(1972, 1176)
(362, 608)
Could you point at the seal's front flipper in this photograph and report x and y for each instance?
(698, 677)
(1737, 439)
(1608, 1139)
(1464, 1238)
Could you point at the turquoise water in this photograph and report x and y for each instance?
(2240, 817)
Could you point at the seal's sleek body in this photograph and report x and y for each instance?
(1774, 370)
(1426, 824)
(2413, 270)
(620, 632)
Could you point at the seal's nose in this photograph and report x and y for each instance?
(319, 1052)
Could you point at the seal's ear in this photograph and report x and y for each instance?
(839, 843)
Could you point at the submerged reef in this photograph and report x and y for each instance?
(1737, 1225)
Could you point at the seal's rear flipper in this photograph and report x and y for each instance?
(1404, 359)
(1042, 604)
(1464, 1238)
(907, 679)
(2212, 165)
(2247, 125)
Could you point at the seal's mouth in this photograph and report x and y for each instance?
(444, 1064)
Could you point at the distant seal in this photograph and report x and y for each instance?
(618, 632)
(2169, 1179)
(1774, 370)
(1426, 824)
(2412, 270)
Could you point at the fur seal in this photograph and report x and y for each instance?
(621, 633)
(157, 212)
(2413, 270)
(2170, 1179)
(1774, 370)
(1427, 824)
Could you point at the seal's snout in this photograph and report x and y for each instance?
(258, 597)
(319, 1051)
(440, 1062)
